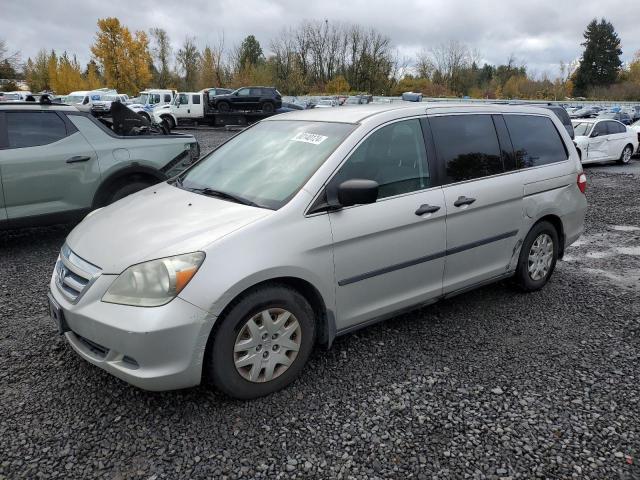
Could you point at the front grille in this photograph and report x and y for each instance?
(73, 274)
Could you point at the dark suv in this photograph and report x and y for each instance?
(267, 99)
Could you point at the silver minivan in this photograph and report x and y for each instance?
(310, 225)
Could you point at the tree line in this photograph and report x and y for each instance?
(323, 57)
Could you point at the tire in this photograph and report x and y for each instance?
(124, 190)
(146, 116)
(169, 122)
(527, 279)
(268, 107)
(223, 106)
(235, 332)
(625, 156)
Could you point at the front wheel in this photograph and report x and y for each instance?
(262, 343)
(538, 257)
(627, 153)
(223, 107)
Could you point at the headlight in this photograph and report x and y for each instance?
(154, 283)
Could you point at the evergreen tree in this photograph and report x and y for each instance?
(600, 62)
(250, 52)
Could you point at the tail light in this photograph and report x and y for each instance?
(582, 182)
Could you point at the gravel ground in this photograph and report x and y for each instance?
(491, 384)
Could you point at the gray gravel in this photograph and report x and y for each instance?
(491, 384)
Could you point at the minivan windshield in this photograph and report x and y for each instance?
(582, 128)
(267, 164)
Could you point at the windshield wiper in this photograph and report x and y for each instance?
(210, 192)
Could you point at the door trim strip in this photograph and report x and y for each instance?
(427, 258)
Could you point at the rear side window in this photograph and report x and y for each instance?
(615, 127)
(195, 99)
(467, 145)
(31, 129)
(535, 140)
(257, 92)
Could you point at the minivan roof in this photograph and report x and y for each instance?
(358, 113)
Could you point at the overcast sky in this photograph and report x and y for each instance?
(539, 33)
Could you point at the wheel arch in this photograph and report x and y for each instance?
(556, 221)
(118, 177)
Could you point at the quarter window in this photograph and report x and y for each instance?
(30, 129)
(394, 156)
(167, 98)
(535, 140)
(467, 146)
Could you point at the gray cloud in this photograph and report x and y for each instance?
(540, 33)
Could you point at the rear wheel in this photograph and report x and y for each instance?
(146, 116)
(262, 343)
(268, 107)
(538, 257)
(223, 107)
(127, 189)
(627, 153)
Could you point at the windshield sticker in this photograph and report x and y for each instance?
(312, 138)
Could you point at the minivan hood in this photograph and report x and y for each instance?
(157, 222)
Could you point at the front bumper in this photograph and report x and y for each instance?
(159, 348)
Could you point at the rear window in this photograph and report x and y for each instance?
(467, 145)
(535, 140)
(31, 129)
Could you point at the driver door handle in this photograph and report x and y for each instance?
(78, 158)
(426, 208)
(463, 201)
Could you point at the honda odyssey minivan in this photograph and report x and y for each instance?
(310, 225)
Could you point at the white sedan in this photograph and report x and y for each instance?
(601, 140)
(635, 126)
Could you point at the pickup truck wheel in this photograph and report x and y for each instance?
(268, 107)
(223, 107)
(169, 122)
(127, 189)
(263, 342)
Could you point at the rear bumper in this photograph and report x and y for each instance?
(159, 348)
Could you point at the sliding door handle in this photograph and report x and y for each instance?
(426, 208)
(463, 201)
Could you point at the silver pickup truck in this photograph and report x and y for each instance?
(57, 163)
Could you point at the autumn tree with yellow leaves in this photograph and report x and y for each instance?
(123, 58)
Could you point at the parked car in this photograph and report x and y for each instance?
(412, 97)
(103, 106)
(599, 140)
(326, 103)
(267, 99)
(620, 116)
(86, 99)
(58, 163)
(149, 99)
(585, 112)
(313, 225)
(289, 107)
(357, 100)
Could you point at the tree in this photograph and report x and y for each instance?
(337, 85)
(634, 68)
(250, 53)
(188, 58)
(600, 62)
(162, 55)
(9, 62)
(123, 58)
(207, 75)
(92, 76)
(37, 72)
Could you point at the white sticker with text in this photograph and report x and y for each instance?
(313, 138)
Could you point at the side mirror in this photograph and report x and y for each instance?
(357, 192)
